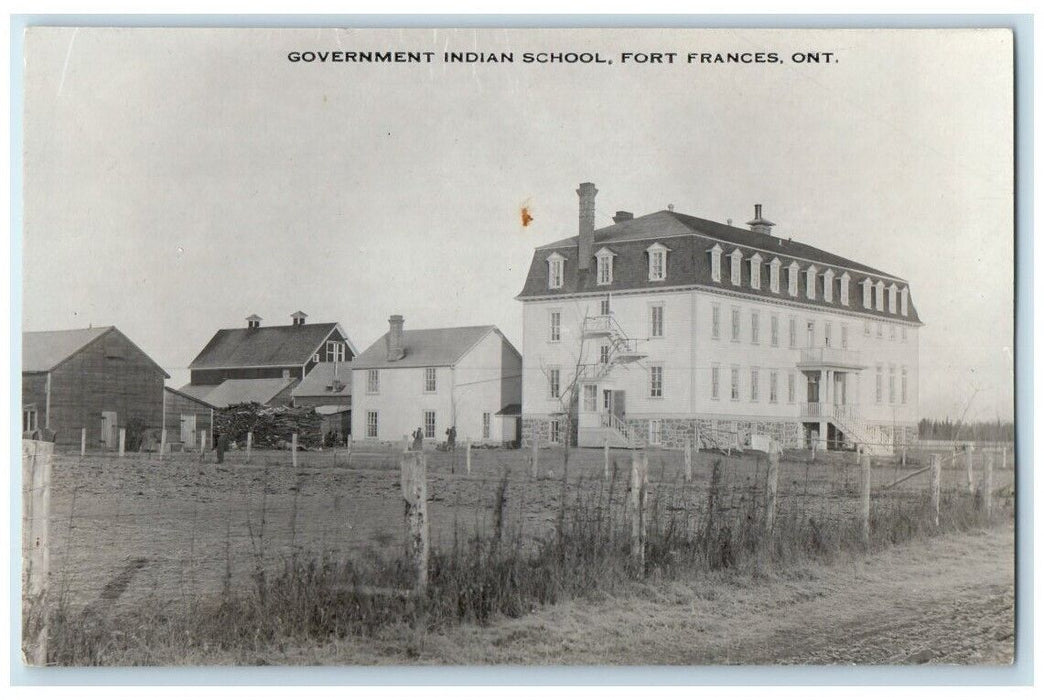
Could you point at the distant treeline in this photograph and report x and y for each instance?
(978, 431)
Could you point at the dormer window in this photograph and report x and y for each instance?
(555, 267)
(737, 261)
(657, 262)
(845, 277)
(604, 259)
(792, 279)
(880, 295)
(810, 282)
(892, 289)
(828, 286)
(755, 271)
(867, 286)
(715, 262)
(774, 275)
(904, 301)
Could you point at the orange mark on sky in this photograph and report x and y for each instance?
(526, 217)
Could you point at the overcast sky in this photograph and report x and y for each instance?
(178, 181)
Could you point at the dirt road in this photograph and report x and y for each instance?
(943, 600)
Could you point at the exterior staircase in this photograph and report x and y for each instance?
(622, 349)
(617, 432)
(870, 437)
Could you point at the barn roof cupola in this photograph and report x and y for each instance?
(585, 245)
(760, 224)
(253, 321)
(298, 318)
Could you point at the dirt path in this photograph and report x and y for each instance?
(944, 600)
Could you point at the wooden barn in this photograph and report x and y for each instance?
(93, 378)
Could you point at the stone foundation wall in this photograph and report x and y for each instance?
(675, 432)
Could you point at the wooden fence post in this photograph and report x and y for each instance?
(348, 455)
(934, 485)
(163, 442)
(123, 440)
(535, 459)
(37, 457)
(83, 442)
(814, 444)
(250, 443)
(467, 456)
(636, 502)
(697, 442)
(688, 459)
(904, 456)
(293, 450)
(1004, 459)
(605, 457)
(415, 492)
(968, 469)
(987, 486)
(864, 510)
(771, 484)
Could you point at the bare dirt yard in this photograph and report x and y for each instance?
(139, 531)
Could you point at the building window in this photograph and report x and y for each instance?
(773, 387)
(791, 384)
(866, 293)
(715, 262)
(656, 381)
(607, 399)
(891, 331)
(555, 330)
(792, 279)
(553, 383)
(373, 381)
(774, 330)
(316, 358)
(879, 295)
(866, 328)
(844, 336)
(904, 333)
(734, 384)
(590, 398)
(880, 330)
(715, 382)
(605, 266)
(828, 286)
(754, 384)
(429, 424)
(891, 297)
(656, 320)
(736, 269)
(603, 354)
(429, 379)
(553, 433)
(487, 420)
(792, 332)
(891, 384)
(715, 321)
(755, 328)
(555, 265)
(735, 325)
(879, 384)
(334, 351)
(371, 424)
(810, 333)
(655, 432)
(904, 302)
(844, 288)
(902, 386)
(774, 275)
(755, 271)
(810, 282)
(29, 418)
(604, 306)
(657, 262)
(827, 328)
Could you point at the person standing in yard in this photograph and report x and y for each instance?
(451, 437)
(418, 440)
(221, 446)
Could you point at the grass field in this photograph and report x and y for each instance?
(139, 533)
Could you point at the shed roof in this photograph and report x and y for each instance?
(320, 381)
(425, 347)
(235, 391)
(42, 351)
(269, 346)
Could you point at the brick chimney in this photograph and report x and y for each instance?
(395, 349)
(253, 321)
(298, 318)
(759, 224)
(622, 216)
(585, 247)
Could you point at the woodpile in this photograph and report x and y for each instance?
(273, 427)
